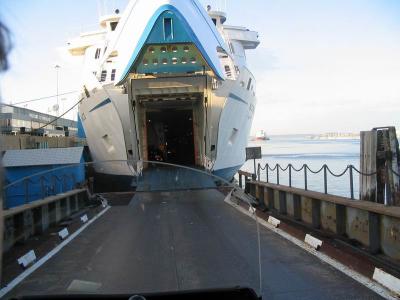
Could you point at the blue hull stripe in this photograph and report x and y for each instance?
(147, 32)
(105, 102)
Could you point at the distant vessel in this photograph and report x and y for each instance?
(261, 135)
(167, 80)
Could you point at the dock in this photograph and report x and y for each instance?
(178, 229)
(179, 240)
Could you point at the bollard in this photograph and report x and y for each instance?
(387, 280)
(63, 233)
(273, 221)
(313, 242)
(84, 218)
(27, 259)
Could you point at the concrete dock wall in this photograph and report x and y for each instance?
(374, 225)
(27, 220)
(25, 141)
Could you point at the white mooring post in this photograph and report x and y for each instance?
(27, 259)
(387, 280)
(274, 221)
(313, 242)
(84, 218)
(63, 233)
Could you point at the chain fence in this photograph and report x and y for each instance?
(273, 174)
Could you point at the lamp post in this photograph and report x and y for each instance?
(57, 67)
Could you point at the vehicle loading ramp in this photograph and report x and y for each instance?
(179, 240)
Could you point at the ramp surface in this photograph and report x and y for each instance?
(164, 178)
(182, 240)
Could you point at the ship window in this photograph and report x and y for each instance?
(113, 25)
(103, 75)
(97, 54)
(231, 48)
(249, 84)
(228, 71)
(214, 21)
(113, 74)
(168, 32)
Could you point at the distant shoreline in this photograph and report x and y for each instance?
(310, 137)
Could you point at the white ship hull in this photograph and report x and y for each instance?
(131, 117)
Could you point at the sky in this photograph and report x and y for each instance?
(321, 66)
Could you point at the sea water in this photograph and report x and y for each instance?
(336, 154)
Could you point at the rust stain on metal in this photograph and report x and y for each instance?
(306, 210)
(357, 225)
(328, 216)
(390, 236)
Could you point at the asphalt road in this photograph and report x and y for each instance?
(180, 240)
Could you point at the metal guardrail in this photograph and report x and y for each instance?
(39, 188)
(350, 169)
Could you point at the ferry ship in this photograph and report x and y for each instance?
(166, 80)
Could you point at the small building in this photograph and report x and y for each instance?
(39, 173)
(15, 120)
